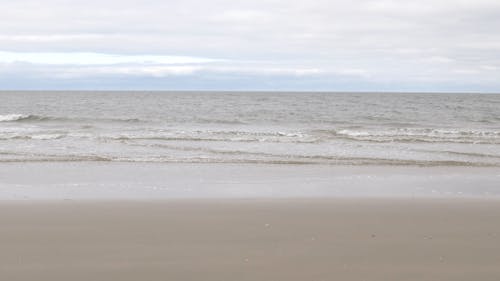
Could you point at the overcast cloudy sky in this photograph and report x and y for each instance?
(357, 45)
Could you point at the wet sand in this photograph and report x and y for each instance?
(147, 181)
(251, 239)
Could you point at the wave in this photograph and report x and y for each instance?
(35, 136)
(333, 159)
(219, 121)
(415, 135)
(14, 117)
(311, 137)
(178, 153)
(459, 153)
(123, 133)
(298, 160)
(40, 118)
(214, 136)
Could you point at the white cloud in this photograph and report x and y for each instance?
(96, 59)
(387, 41)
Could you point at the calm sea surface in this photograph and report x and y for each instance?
(234, 127)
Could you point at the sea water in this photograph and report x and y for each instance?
(419, 129)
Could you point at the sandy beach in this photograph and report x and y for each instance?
(258, 140)
(124, 221)
(250, 239)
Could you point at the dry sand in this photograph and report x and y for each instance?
(303, 239)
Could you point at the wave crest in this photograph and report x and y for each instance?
(14, 117)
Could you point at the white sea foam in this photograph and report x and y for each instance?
(13, 117)
(47, 136)
(424, 135)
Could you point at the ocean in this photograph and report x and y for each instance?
(418, 129)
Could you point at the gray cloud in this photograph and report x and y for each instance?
(445, 43)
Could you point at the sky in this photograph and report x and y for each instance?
(301, 45)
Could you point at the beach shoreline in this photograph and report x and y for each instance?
(160, 181)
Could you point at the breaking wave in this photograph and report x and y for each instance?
(14, 117)
(417, 135)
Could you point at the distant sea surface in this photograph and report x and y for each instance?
(257, 127)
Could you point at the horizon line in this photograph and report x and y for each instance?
(251, 91)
